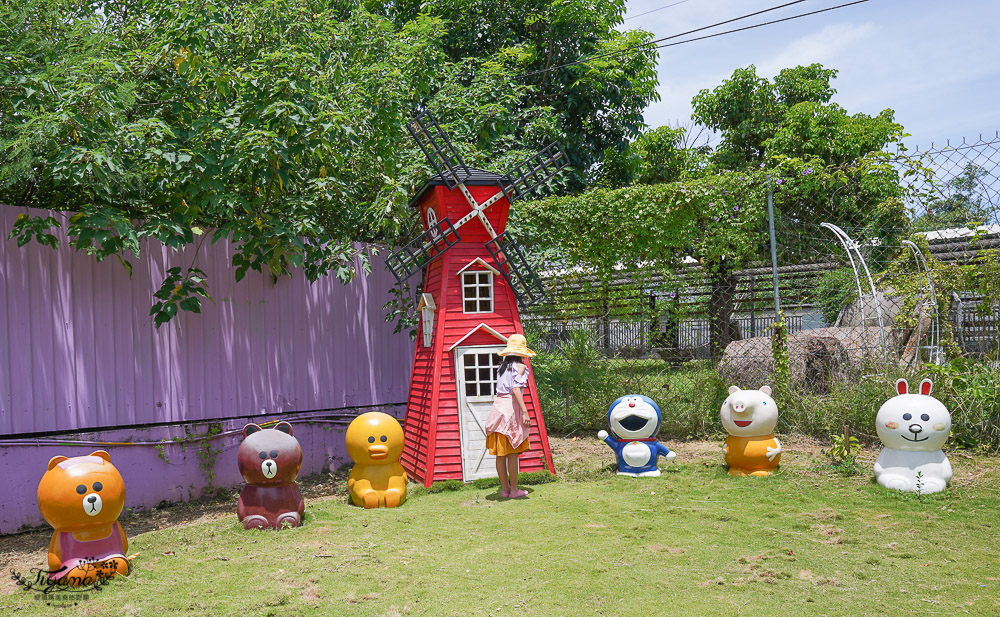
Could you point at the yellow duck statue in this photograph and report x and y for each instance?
(374, 443)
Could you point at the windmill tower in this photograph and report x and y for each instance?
(475, 276)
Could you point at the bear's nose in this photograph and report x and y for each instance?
(92, 498)
(916, 428)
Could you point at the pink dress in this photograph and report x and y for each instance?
(505, 416)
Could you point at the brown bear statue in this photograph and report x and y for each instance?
(269, 461)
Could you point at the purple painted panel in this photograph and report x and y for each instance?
(78, 348)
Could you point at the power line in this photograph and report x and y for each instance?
(766, 23)
(666, 38)
(655, 10)
(721, 23)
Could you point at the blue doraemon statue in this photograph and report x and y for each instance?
(634, 421)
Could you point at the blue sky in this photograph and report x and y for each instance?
(936, 63)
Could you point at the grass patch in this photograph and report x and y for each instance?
(802, 542)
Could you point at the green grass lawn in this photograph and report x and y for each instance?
(691, 542)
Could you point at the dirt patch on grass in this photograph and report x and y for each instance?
(823, 514)
(353, 598)
(831, 534)
(673, 550)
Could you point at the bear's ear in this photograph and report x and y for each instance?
(55, 460)
(902, 387)
(250, 429)
(284, 427)
(766, 390)
(102, 454)
(925, 387)
(734, 389)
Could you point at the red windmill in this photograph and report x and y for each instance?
(473, 283)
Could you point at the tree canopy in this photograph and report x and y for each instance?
(279, 124)
(598, 103)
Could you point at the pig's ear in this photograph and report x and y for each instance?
(734, 389)
(766, 390)
(902, 387)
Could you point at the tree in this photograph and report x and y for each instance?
(664, 154)
(747, 110)
(958, 203)
(598, 103)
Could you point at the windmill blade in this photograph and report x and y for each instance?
(438, 149)
(422, 250)
(510, 261)
(538, 168)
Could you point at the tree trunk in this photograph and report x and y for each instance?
(722, 329)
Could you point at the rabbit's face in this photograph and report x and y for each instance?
(914, 422)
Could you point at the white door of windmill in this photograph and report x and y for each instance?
(476, 377)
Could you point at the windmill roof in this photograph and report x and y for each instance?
(477, 177)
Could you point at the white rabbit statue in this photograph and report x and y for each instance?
(913, 428)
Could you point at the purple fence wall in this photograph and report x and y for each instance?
(78, 348)
(79, 352)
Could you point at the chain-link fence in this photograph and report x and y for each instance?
(864, 302)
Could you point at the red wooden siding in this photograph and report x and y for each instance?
(433, 448)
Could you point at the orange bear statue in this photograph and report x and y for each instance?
(374, 442)
(82, 497)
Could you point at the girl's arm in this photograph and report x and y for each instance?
(519, 395)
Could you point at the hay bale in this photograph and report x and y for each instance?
(817, 357)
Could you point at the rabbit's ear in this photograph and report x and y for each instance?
(925, 387)
(902, 387)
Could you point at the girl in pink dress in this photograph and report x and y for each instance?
(508, 422)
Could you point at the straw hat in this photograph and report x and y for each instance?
(517, 346)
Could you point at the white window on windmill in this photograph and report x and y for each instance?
(477, 286)
(427, 308)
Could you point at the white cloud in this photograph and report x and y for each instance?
(826, 47)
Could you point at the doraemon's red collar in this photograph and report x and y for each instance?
(637, 439)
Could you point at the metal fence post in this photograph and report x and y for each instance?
(774, 248)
